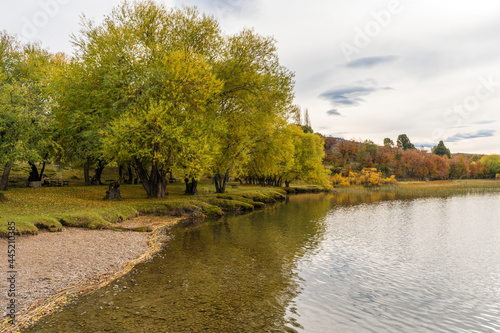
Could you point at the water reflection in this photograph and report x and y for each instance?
(426, 265)
(232, 275)
(318, 263)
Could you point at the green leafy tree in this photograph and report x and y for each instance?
(169, 132)
(493, 164)
(388, 143)
(145, 69)
(256, 90)
(441, 150)
(404, 142)
(271, 155)
(25, 106)
(307, 159)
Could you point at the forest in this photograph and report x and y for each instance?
(403, 160)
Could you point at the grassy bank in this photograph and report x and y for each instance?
(429, 189)
(52, 208)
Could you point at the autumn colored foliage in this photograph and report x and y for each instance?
(368, 177)
(346, 157)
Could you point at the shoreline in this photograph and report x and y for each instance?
(46, 298)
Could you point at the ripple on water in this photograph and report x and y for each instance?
(405, 266)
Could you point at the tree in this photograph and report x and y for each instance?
(441, 150)
(308, 158)
(492, 162)
(271, 155)
(168, 132)
(414, 164)
(404, 142)
(25, 106)
(367, 154)
(256, 90)
(388, 143)
(306, 127)
(147, 93)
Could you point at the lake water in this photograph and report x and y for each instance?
(318, 263)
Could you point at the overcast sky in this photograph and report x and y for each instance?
(365, 69)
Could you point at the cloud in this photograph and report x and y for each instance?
(349, 96)
(333, 112)
(221, 7)
(370, 61)
(466, 136)
(424, 145)
(485, 122)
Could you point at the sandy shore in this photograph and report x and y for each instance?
(48, 263)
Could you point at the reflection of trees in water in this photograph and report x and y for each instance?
(232, 275)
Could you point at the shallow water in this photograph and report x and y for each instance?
(318, 263)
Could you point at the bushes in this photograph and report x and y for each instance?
(368, 177)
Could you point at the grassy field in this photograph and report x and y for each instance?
(431, 188)
(83, 206)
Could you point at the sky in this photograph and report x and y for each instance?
(364, 69)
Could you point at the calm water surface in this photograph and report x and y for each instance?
(318, 263)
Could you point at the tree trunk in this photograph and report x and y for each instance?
(86, 173)
(98, 172)
(120, 173)
(154, 183)
(4, 182)
(287, 183)
(191, 186)
(221, 182)
(130, 174)
(34, 175)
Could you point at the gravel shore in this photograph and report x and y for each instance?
(49, 262)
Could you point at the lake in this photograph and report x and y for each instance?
(317, 263)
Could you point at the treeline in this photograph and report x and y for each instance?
(160, 92)
(406, 162)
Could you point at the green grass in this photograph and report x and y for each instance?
(51, 208)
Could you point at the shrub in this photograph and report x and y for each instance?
(368, 177)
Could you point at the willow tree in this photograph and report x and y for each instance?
(25, 106)
(256, 90)
(307, 158)
(271, 154)
(146, 91)
(165, 133)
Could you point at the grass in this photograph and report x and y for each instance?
(51, 208)
(413, 189)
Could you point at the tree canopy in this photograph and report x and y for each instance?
(441, 150)
(161, 89)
